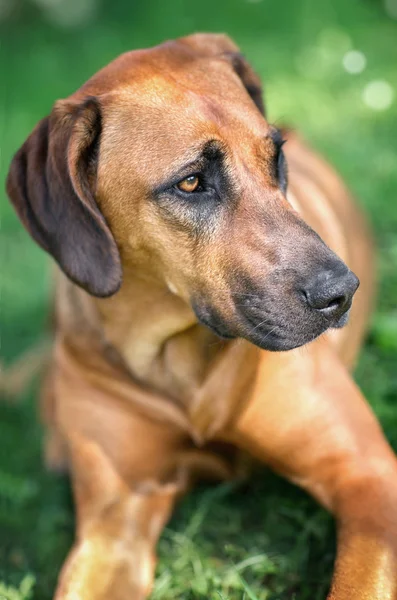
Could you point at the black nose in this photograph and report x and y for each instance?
(331, 291)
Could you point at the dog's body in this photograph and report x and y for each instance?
(142, 396)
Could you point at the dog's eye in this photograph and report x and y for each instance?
(189, 184)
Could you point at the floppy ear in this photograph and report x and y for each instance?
(51, 183)
(249, 78)
(219, 44)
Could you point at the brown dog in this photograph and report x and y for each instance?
(160, 189)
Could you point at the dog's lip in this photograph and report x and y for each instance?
(258, 325)
(343, 320)
(271, 336)
(261, 321)
(263, 332)
(273, 341)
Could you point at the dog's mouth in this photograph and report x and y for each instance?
(286, 310)
(287, 334)
(270, 326)
(268, 336)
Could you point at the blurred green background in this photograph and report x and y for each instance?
(330, 68)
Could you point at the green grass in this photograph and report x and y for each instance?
(263, 539)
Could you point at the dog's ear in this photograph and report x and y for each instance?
(250, 79)
(51, 183)
(219, 44)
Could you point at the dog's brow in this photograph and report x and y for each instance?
(208, 150)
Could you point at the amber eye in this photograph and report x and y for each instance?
(189, 184)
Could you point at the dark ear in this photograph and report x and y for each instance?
(250, 79)
(51, 183)
(219, 44)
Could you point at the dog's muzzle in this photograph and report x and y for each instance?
(289, 310)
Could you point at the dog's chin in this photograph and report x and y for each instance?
(264, 339)
(273, 338)
(268, 339)
(275, 343)
(281, 339)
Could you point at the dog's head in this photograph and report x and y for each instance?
(163, 163)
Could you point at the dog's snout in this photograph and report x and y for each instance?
(331, 291)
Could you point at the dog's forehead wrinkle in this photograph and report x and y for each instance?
(198, 90)
(193, 120)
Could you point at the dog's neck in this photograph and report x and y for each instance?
(158, 337)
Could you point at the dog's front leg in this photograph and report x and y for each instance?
(308, 420)
(117, 532)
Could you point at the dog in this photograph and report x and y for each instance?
(192, 269)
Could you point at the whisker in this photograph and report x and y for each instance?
(270, 332)
(264, 322)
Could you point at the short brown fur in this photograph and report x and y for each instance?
(141, 396)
